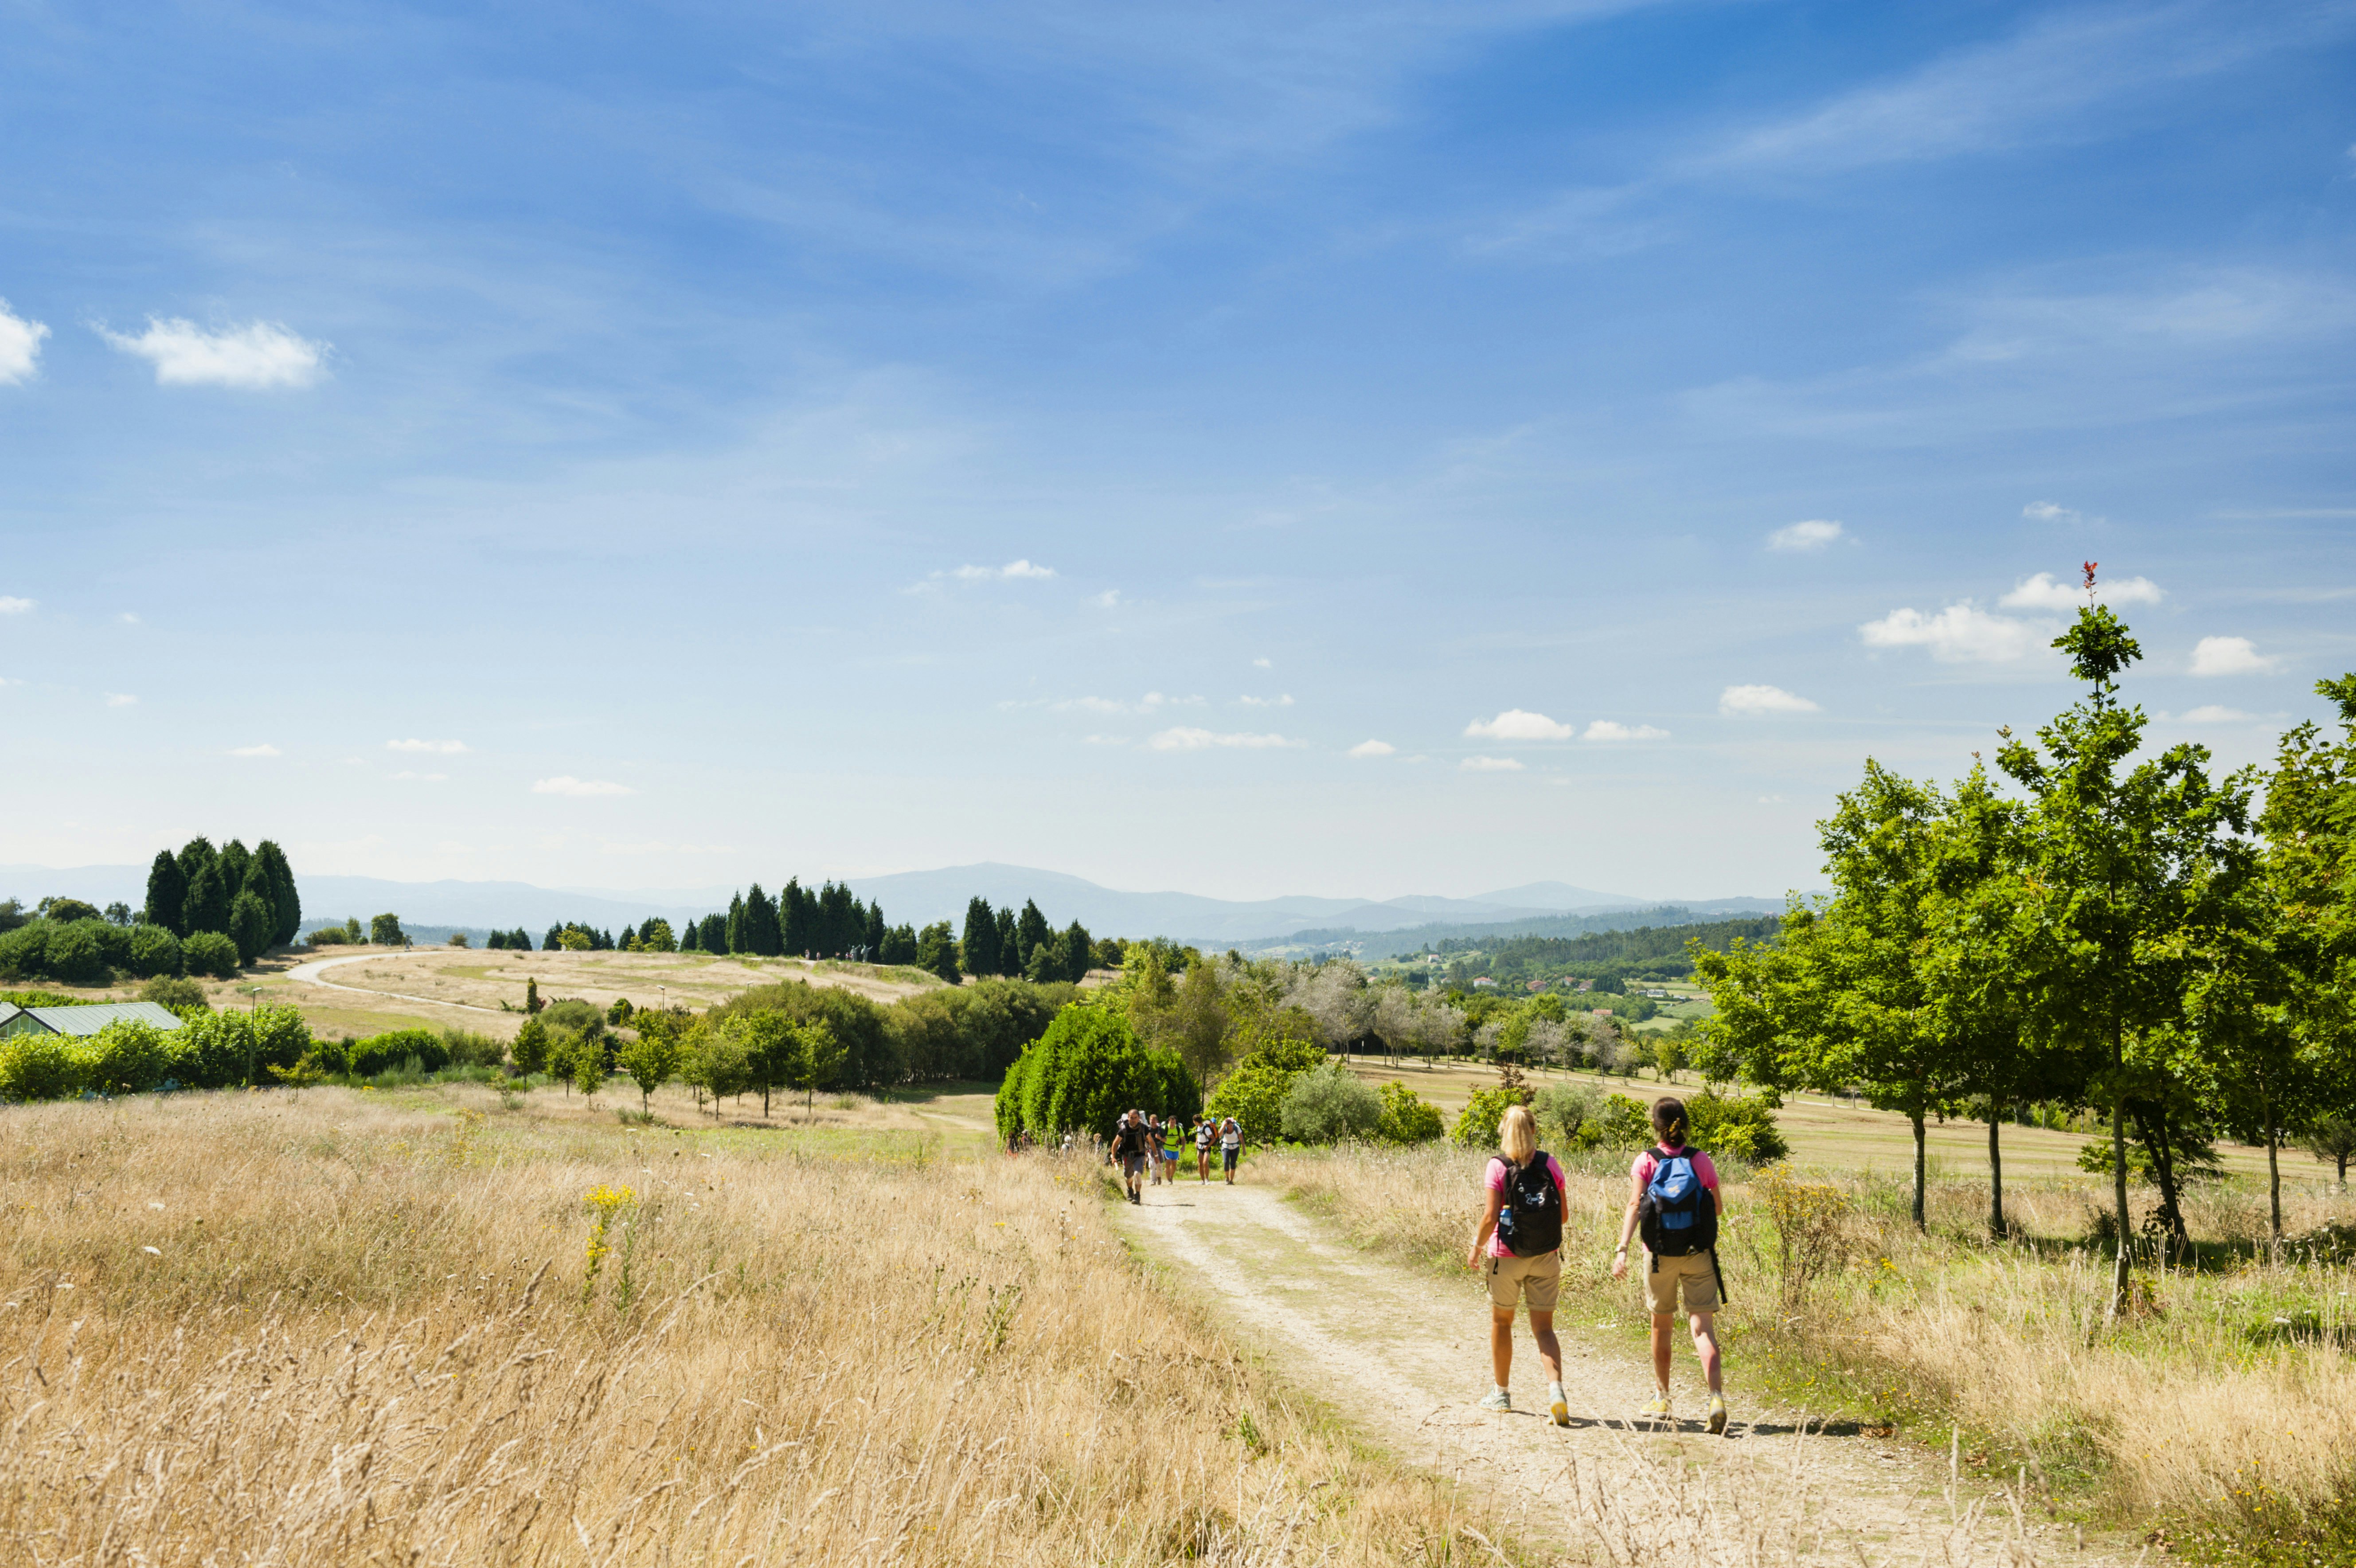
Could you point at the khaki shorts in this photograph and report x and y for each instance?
(1535, 1281)
(1662, 1276)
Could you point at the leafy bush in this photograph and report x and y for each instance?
(382, 1053)
(154, 950)
(1627, 1124)
(1569, 1116)
(213, 1051)
(1477, 1128)
(1327, 1105)
(128, 1056)
(469, 1049)
(1254, 1093)
(182, 998)
(1407, 1119)
(1085, 1071)
(209, 952)
(1742, 1126)
(571, 1013)
(38, 1067)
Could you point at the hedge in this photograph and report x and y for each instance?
(211, 1051)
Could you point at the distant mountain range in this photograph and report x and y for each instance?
(917, 896)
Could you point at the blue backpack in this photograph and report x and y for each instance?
(1679, 1219)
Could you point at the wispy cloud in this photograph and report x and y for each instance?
(1817, 534)
(1490, 765)
(1149, 702)
(1259, 664)
(265, 749)
(121, 700)
(2043, 592)
(252, 357)
(2211, 713)
(1748, 700)
(1188, 739)
(1012, 571)
(2231, 656)
(1960, 634)
(1610, 729)
(2050, 511)
(1372, 748)
(20, 346)
(439, 747)
(1108, 599)
(10, 606)
(1284, 702)
(566, 784)
(1519, 724)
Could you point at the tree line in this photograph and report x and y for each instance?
(2087, 926)
(208, 911)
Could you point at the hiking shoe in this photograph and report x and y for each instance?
(1558, 1406)
(1716, 1414)
(1656, 1408)
(1498, 1399)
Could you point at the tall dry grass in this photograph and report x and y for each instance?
(318, 1329)
(2225, 1391)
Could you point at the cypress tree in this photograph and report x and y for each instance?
(234, 859)
(284, 900)
(167, 894)
(794, 914)
(1081, 949)
(553, 940)
(195, 855)
(206, 908)
(981, 944)
(258, 883)
(1032, 931)
(1010, 945)
(736, 923)
(872, 939)
(762, 935)
(630, 933)
(251, 921)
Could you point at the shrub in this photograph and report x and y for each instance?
(1407, 1118)
(382, 1053)
(571, 1013)
(1627, 1124)
(154, 950)
(1477, 1128)
(213, 1051)
(181, 997)
(1569, 1116)
(1328, 1105)
(77, 952)
(128, 1056)
(470, 1048)
(1086, 1070)
(38, 1067)
(24, 952)
(1740, 1126)
(530, 1046)
(209, 952)
(1254, 1094)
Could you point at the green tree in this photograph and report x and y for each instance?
(1079, 952)
(285, 901)
(1327, 1104)
(937, 951)
(206, 907)
(1031, 932)
(210, 952)
(816, 1057)
(978, 950)
(251, 926)
(2124, 870)
(385, 930)
(653, 1059)
(586, 1057)
(769, 1047)
(762, 934)
(530, 1048)
(1010, 945)
(167, 893)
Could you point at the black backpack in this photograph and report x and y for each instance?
(1529, 1221)
(1679, 1219)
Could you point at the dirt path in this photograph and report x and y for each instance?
(1404, 1355)
(314, 972)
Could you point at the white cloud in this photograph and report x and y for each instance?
(2230, 656)
(2211, 713)
(1284, 702)
(1607, 729)
(1372, 748)
(2047, 511)
(1108, 599)
(256, 356)
(1817, 534)
(121, 700)
(1186, 739)
(440, 777)
(1960, 634)
(1259, 664)
(1145, 705)
(20, 346)
(128, 618)
(1012, 570)
(1490, 765)
(566, 784)
(440, 748)
(1519, 724)
(1762, 700)
(2042, 592)
(15, 607)
(264, 749)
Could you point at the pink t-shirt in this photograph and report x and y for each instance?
(1650, 1160)
(1497, 1183)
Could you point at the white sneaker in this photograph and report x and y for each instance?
(1498, 1400)
(1558, 1406)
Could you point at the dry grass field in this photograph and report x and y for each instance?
(338, 1328)
(2224, 1394)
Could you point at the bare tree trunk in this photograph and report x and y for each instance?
(1995, 1170)
(1919, 1172)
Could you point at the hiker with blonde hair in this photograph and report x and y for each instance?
(1673, 1198)
(1519, 1246)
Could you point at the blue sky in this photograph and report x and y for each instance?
(669, 449)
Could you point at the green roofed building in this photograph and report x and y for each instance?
(84, 1019)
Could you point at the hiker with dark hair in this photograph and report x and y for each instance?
(1519, 1248)
(1673, 1198)
(1130, 1147)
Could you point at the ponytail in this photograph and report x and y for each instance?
(1669, 1119)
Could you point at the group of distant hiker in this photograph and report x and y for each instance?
(1673, 1210)
(1148, 1147)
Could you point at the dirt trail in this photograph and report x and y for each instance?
(1404, 1355)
